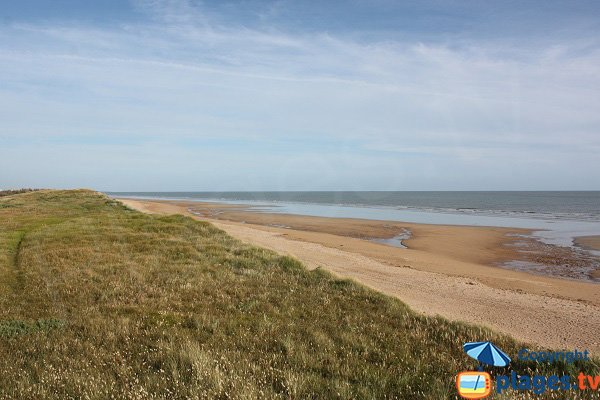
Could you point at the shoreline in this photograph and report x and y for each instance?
(543, 227)
(431, 278)
(508, 248)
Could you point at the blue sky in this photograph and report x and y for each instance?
(300, 95)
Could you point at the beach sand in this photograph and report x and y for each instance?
(588, 242)
(446, 270)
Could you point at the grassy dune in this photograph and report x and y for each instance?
(99, 301)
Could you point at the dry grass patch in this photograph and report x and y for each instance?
(99, 301)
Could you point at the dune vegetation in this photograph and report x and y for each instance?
(100, 301)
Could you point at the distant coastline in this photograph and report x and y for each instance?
(572, 205)
(555, 218)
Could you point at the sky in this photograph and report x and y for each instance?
(184, 95)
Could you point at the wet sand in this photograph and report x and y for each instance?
(588, 242)
(445, 270)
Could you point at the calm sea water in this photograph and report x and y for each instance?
(557, 217)
(569, 205)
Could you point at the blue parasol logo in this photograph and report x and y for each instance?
(487, 353)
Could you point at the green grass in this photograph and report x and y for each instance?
(99, 301)
(13, 328)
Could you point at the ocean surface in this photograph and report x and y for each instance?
(556, 217)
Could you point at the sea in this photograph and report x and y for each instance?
(556, 217)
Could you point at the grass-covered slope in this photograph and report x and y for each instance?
(98, 301)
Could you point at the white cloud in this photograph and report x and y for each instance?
(185, 74)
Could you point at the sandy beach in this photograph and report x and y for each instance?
(588, 242)
(444, 271)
